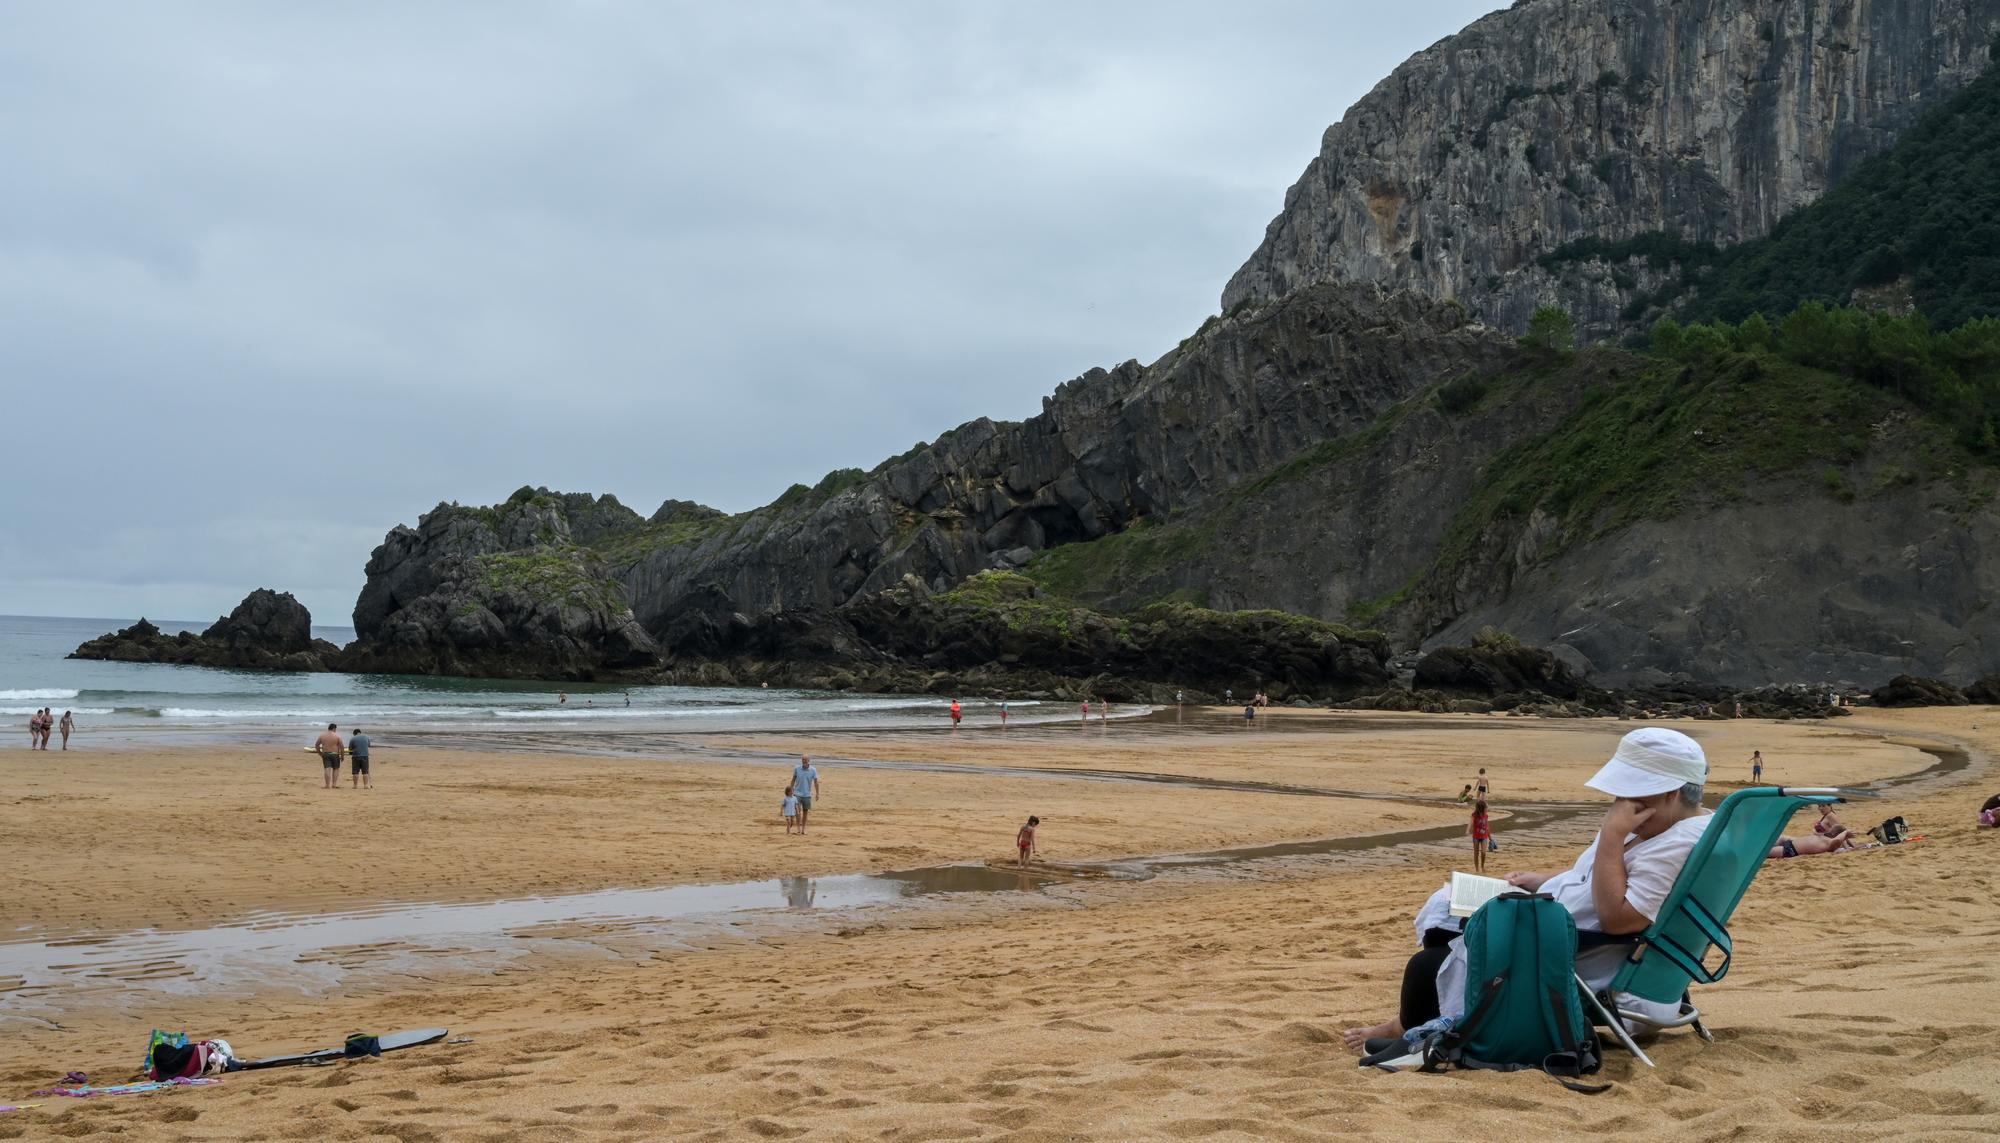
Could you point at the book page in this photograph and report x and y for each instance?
(1469, 891)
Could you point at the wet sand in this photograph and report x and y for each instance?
(1200, 1005)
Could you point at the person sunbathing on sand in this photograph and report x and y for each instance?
(1810, 846)
(1617, 886)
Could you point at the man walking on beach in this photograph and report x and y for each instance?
(805, 787)
(357, 753)
(329, 747)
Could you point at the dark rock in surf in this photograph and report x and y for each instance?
(268, 631)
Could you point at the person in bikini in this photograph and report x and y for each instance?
(68, 726)
(1024, 841)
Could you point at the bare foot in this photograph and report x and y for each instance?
(1356, 1039)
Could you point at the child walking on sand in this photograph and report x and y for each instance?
(1482, 833)
(791, 809)
(1025, 840)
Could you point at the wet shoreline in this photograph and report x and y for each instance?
(316, 952)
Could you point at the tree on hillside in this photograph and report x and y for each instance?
(1552, 328)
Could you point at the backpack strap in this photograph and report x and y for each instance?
(1577, 1058)
(1489, 997)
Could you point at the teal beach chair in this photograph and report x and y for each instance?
(1689, 942)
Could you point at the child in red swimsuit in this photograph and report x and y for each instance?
(1482, 832)
(1025, 840)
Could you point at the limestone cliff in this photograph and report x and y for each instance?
(511, 591)
(1556, 120)
(567, 581)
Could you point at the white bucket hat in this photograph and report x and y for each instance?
(1651, 760)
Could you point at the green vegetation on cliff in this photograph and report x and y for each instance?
(548, 575)
(1140, 553)
(1926, 211)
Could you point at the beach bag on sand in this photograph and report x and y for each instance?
(1522, 1004)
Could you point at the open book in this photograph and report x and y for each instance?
(1469, 891)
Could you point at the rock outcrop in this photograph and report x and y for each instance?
(1913, 690)
(1985, 691)
(1000, 632)
(1560, 120)
(507, 592)
(268, 631)
(1493, 665)
(1110, 449)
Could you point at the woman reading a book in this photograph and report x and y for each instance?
(1617, 886)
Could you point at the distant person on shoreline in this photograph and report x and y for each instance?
(805, 787)
(68, 726)
(562, 698)
(1024, 842)
(329, 746)
(1756, 767)
(957, 712)
(1481, 831)
(1083, 711)
(1003, 714)
(790, 809)
(357, 754)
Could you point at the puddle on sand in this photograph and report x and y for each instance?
(312, 951)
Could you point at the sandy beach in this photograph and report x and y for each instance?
(1197, 1004)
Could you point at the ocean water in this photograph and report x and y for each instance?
(135, 698)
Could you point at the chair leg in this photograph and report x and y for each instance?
(1616, 1025)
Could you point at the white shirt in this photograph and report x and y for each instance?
(805, 781)
(791, 806)
(1651, 866)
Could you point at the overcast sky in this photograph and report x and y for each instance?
(274, 278)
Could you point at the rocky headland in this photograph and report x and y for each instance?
(268, 631)
(1358, 455)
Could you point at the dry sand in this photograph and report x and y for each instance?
(1197, 1006)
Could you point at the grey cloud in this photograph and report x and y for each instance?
(274, 278)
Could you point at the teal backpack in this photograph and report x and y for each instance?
(1522, 1005)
